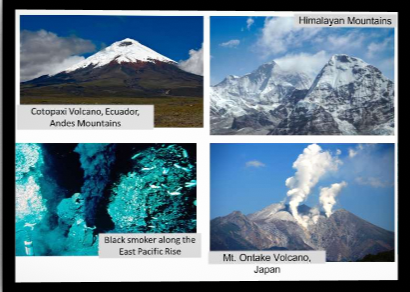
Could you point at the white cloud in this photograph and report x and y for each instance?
(310, 64)
(230, 44)
(43, 52)
(359, 148)
(255, 163)
(346, 42)
(374, 182)
(310, 167)
(352, 153)
(375, 48)
(338, 152)
(195, 63)
(279, 33)
(328, 196)
(280, 38)
(249, 23)
(370, 164)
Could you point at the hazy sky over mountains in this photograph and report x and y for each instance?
(240, 44)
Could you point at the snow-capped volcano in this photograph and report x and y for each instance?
(125, 69)
(127, 50)
(347, 97)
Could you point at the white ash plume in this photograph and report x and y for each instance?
(310, 166)
(328, 196)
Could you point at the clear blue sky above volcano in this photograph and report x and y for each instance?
(172, 36)
(368, 170)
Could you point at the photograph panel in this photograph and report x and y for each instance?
(333, 197)
(101, 59)
(66, 194)
(269, 77)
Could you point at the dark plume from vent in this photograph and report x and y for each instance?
(96, 161)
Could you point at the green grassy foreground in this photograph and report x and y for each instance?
(170, 112)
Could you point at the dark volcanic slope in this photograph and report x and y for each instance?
(343, 235)
(347, 237)
(134, 79)
(236, 232)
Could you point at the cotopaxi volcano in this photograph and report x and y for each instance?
(127, 68)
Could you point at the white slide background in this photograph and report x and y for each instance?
(64, 269)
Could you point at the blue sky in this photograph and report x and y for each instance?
(51, 44)
(170, 36)
(249, 177)
(240, 44)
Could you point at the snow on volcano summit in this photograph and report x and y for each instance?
(127, 50)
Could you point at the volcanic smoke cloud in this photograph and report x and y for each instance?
(310, 166)
(328, 196)
(96, 160)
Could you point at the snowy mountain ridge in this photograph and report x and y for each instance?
(263, 89)
(347, 97)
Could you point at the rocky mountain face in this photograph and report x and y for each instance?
(344, 236)
(244, 234)
(124, 69)
(348, 97)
